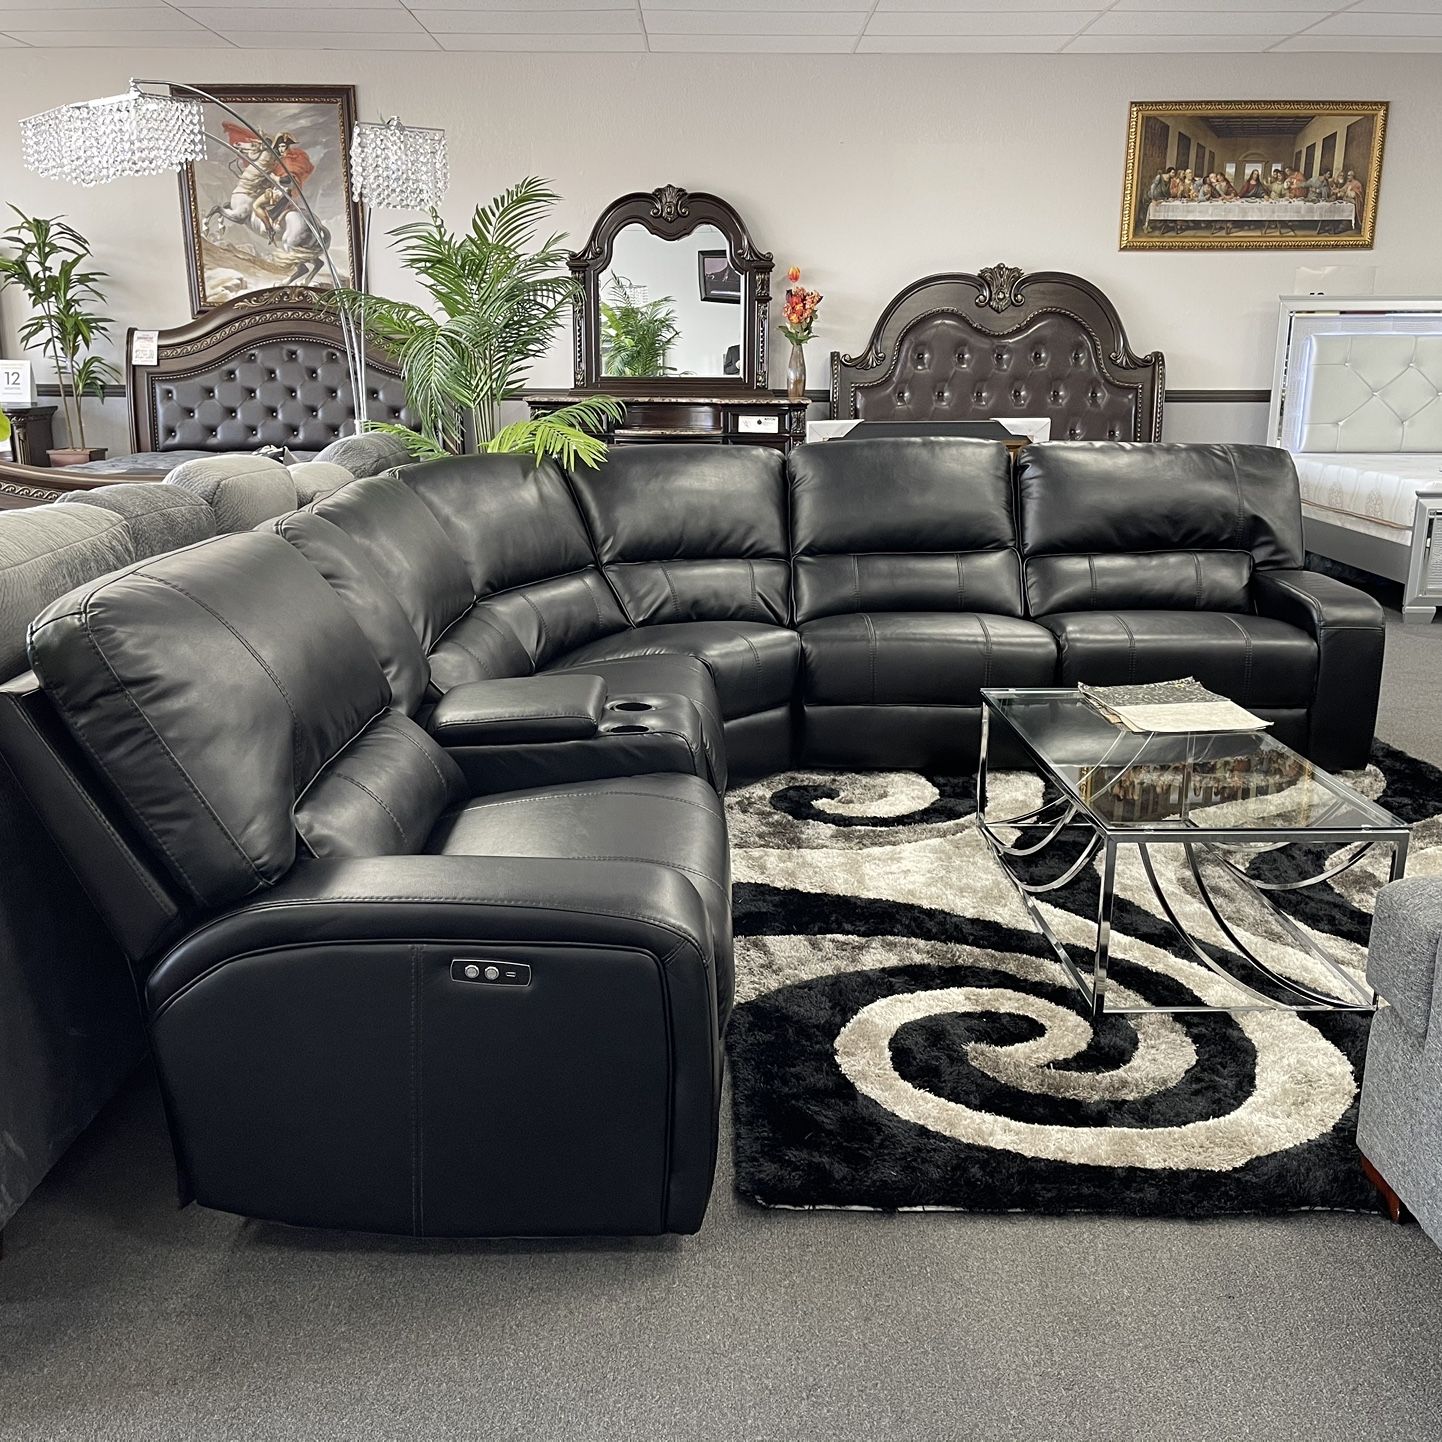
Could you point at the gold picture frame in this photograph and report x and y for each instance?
(1252, 174)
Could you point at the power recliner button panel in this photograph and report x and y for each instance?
(484, 971)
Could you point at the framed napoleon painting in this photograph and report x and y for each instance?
(1253, 175)
(245, 226)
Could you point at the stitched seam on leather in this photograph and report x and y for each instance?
(755, 663)
(259, 661)
(1247, 656)
(540, 621)
(987, 654)
(960, 584)
(1131, 649)
(671, 586)
(361, 786)
(126, 855)
(185, 776)
(758, 610)
(1197, 593)
(1241, 519)
(1092, 573)
(670, 865)
(856, 579)
(430, 760)
(871, 648)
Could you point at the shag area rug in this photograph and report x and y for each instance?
(904, 1038)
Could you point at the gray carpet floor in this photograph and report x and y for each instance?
(123, 1318)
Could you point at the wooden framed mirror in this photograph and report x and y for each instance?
(673, 293)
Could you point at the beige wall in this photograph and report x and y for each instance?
(867, 171)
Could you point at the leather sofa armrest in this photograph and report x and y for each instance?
(1348, 627)
(1404, 954)
(525, 711)
(1314, 603)
(465, 899)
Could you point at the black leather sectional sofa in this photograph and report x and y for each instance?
(407, 807)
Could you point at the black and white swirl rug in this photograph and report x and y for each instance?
(904, 1039)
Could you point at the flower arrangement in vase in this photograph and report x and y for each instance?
(799, 319)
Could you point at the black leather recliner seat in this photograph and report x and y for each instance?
(908, 606)
(1152, 561)
(394, 1004)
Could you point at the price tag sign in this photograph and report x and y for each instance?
(17, 384)
(145, 348)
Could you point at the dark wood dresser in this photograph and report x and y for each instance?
(726, 418)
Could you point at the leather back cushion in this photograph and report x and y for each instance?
(529, 560)
(687, 533)
(243, 491)
(291, 393)
(210, 686)
(383, 794)
(1107, 526)
(903, 523)
(161, 518)
(511, 519)
(404, 542)
(365, 595)
(44, 552)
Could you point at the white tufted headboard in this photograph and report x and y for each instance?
(1380, 392)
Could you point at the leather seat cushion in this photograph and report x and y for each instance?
(932, 658)
(672, 820)
(753, 665)
(1253, 659)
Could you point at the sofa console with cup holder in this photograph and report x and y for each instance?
(411, 798)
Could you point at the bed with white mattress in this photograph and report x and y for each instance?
(1357, 399)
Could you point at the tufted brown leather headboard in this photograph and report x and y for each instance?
(267, 369)
(963, 347)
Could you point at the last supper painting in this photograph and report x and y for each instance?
(1258, 175)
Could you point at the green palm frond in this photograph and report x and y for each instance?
(497, 295)
(568, 433)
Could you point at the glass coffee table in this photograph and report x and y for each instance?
(1219, 797)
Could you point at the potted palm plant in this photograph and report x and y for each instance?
(497, 297)
(637, 334)
(47, 265)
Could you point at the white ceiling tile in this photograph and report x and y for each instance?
(750, 7)
(1414, 7)
(121, 39)
(10, 42)
(1347, 44)
(1229, 22)
(129, 18)
(967, 6)
(229, 5)
(313, 17)
(977, 22)
(525, 22)
(1375, 23)
(261, 39)
(777, 22)
(543, 43)
(1170, 6)
(6, 6)
(754, 44)
(515, 4)
(1093, 44)
(960, 44)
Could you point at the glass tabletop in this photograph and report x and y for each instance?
(1200, 780)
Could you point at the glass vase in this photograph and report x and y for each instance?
(796, 373)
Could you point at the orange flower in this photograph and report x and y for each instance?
(794, 274)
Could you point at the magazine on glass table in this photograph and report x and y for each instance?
(1170, 708)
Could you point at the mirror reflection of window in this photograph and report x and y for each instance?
(670, 307)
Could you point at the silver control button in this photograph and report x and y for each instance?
(493, 973)
(473, 971)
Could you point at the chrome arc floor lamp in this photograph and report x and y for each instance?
(159, 125)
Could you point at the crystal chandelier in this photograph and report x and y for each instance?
(395, 167)
(98, 140)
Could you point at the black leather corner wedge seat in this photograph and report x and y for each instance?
(489, 560)
(698, 556)
(908, 599)
(398, 1006)
(1149, 561)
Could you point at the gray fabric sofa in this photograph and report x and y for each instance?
(70, 1029)
(1399, 1128)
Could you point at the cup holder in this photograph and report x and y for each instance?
(631, 706)
(628, 730)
